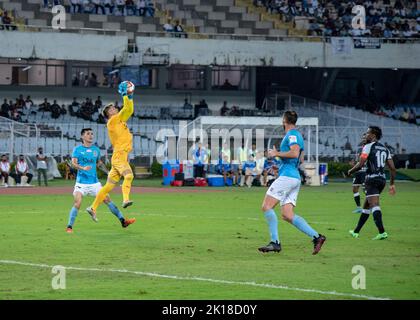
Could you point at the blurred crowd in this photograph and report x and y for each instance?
(399, 19)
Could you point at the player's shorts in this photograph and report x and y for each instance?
(87, 189)
(119, 165)
(374, 186)
(285, 189)
(359, 178)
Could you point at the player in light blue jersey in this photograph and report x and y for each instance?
(285, 188)
(85, 159)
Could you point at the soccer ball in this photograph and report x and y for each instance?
(130, 87)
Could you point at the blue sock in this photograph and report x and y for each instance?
(303, 226)
(272, 222)
(115, 211)
(72, 216)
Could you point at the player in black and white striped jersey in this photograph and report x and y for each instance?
(376, 156)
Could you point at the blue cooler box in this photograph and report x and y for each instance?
(215, 181)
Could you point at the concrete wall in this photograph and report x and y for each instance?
(280, 53)
(62, 46)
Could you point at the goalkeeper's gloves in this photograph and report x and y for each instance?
(122, 90)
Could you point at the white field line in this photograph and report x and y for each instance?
(227, 282)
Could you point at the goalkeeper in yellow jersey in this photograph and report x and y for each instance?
(122, 143)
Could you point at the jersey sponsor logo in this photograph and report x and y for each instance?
(292, 139)
(88, 150)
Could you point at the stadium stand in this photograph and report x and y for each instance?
(197, 16)
(388, 19)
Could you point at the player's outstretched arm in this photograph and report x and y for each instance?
(128, 104)
(127, 110)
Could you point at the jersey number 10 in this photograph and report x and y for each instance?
(381, 157)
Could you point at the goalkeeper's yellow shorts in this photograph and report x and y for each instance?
(119, 166)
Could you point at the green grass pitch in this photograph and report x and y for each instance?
(204, 246)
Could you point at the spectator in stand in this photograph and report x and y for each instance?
(150, 8)
(76, 6)
(22, 170)
(98, 104)
(55, 110)
(130, 7)
(405, 115)
(75, 81)
(5, 109)
(16, 115)
(168, 27)
(93, 80)
(179, 30)
(5, 170)
(387, 31)
(18, 106)
(314, 28)
(412, 116)
(45, 106)
(226, 85)
(224, 110)
(20, 101)
(12, 107)
(109, 6)
(120, 7)
(41, 166)
(63, 109)
(29, 105)
(7, 22)
(141, 7)
(74, 107)
(98, 5)
(393, 113)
